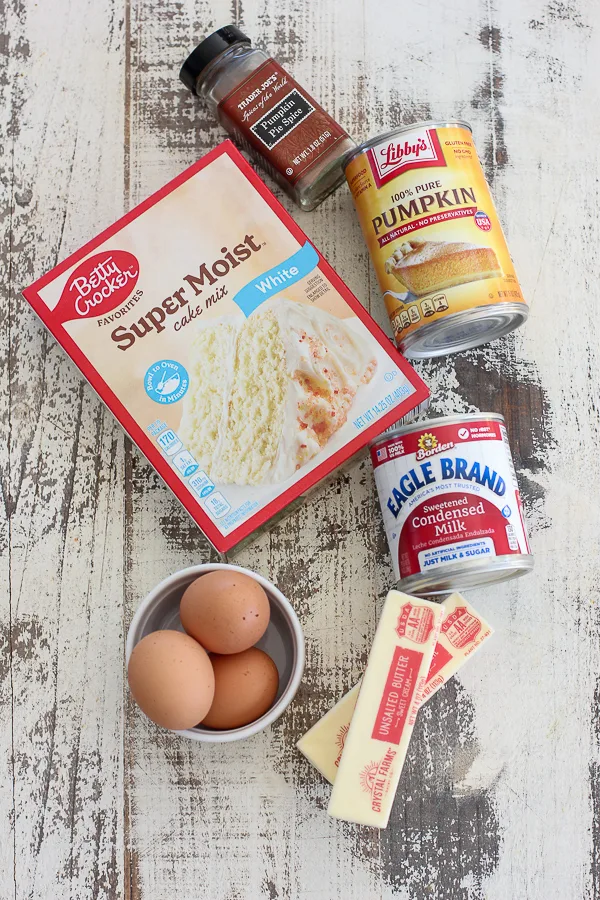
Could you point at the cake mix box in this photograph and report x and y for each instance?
(230, 351)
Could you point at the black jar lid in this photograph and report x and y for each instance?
(207, 50)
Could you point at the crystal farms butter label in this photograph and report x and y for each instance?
(431, 226)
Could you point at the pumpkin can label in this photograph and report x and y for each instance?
(432, 230)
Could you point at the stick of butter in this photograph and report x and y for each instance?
(388, 701)
(323, 744)
(463, 631)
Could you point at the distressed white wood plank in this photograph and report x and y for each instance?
(547, 790)
(476, 63)
(61, 616)
(501, 794)
(7, 836)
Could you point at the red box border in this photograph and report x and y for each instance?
(222, 543)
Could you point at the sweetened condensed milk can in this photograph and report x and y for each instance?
(451, 505)
(435, 240)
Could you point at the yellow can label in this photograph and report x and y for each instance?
(431, 226)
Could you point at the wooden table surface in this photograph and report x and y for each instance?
(500, 796)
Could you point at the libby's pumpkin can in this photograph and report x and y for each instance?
(435, 240)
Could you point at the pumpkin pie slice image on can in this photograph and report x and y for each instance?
(435, 240)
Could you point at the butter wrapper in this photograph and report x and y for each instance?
(377, 742)
(462, 633)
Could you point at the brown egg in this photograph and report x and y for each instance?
(171, 679)
(245, 688)
(225, 611)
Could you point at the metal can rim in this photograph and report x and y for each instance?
(472, 573)
(439, 421)
(513, 314)
(371, 142)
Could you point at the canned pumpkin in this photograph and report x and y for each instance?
(435, 240)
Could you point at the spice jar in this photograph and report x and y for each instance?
(269, 115)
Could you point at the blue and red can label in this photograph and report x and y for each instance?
(449, 495)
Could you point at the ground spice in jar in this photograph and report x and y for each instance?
(269, 114)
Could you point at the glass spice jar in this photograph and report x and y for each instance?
(260, 105)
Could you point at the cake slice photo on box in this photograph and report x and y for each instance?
(268, 392)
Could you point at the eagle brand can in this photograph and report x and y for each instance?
(451, 506)
(435, 240)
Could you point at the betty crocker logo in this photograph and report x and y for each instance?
(417, 150)
(98, 285)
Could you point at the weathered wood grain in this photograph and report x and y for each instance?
(61, 620)
(501, 793)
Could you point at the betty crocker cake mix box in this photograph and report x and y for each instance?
(226, 346)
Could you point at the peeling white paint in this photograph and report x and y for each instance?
(103, 804)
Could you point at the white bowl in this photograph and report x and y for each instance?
(283, 641)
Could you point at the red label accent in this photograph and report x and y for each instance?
(415, 623)
(417, 150)
(397, 695)
(428, 442)
(441, 658)
(452, 519)
(460, 627)
(482, 220)
(270, 113)
(98, 285)
(423, 221)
